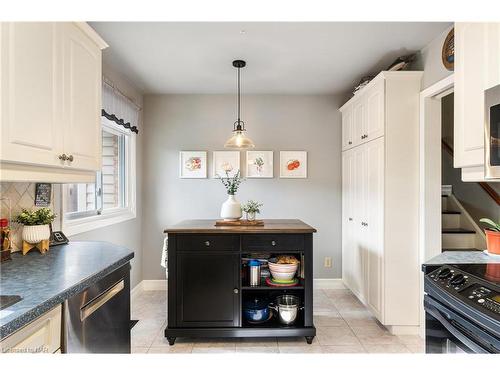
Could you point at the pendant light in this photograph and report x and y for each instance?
(239, 140)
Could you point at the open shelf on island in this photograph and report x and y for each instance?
(264, 286)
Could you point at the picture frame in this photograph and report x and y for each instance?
(225, 160)
(293, 164)
(193, 164)
(259, 164)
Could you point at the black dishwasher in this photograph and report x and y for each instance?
(97, 320)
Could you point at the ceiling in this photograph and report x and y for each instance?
(282, 58)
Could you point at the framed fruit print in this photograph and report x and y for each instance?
(260, 164)
(225, 161)
(193, 164)
(293, 164)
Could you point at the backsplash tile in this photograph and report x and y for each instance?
(20, 195)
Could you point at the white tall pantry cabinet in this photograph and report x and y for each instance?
(380, 179)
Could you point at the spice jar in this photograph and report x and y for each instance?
(4, 240)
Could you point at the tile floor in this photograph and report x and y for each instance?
(343, 325)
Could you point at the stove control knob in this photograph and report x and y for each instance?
(444, 273)
(457, 279)
(480, 300)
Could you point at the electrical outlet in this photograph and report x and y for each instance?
(328, 262)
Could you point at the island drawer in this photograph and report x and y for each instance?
(199, 242)
(272, 242)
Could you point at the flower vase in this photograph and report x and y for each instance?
(35, 233)
(251, 216)
(231, 209)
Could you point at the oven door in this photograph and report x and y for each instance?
(492, 133)
(448, 332)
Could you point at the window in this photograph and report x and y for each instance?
(111, 199)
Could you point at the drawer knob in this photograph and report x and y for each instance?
(236, 291)
(207, 243)
(63, 157)
(273, 243)
(70, 158)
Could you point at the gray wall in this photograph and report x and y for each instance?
(429, 60)
(128, 233)
(203, 122)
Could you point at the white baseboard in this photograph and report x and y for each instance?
(328, 284)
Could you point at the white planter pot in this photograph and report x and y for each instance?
(231, 209)
(36, 233)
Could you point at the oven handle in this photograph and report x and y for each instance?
(100, 300)
(449, 325)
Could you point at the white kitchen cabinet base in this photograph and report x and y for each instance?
(27, 173)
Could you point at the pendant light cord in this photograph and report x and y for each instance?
(239, 95)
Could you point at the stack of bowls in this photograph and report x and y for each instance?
(283, 272)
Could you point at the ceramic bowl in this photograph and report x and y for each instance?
(285, 276)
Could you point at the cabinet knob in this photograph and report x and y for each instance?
(63, 157)
(70, 158)
(350, 142)
(207, 243)
(236, 291)
(350, 219)
(273, 243)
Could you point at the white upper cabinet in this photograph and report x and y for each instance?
(82, 89)
(363, 117)
(31, 93)
(470, 44)
(50, 102)
(477, 68)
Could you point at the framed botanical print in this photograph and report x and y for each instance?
(225, 161)
(260, 164)
(293, 164)
(193, 164)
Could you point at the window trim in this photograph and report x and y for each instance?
(109, 216)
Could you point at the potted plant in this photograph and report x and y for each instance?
(35, 225)
(231, 208)
(251, 208)
(492, 236)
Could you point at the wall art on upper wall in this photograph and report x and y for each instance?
(193, 164)
(260, 164)
(225, 161)
(293, 164)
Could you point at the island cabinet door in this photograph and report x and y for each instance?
(207, 293)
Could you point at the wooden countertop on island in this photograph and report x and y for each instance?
(270, 226)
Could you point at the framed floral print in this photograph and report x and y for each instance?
(293, 164)
(193, 164)
(225, 161)
(260, 164)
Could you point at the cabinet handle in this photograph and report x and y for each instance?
(236, 291)
(273, 243)
(63, 157)
(70, 158)
(349, 142)
(366, 135)
(350, 219)
(207, 243)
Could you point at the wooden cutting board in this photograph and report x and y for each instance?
(239, 223)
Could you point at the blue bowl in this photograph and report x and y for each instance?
(256, 310)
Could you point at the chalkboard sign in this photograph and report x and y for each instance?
(43, 193)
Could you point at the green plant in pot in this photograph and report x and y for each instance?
(251, 208)
(36, 229)
(492, 235)
(231, 208)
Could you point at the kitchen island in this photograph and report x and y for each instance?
(45, 282)
(208, 283)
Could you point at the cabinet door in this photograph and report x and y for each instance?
(358, 230)
(347, 129)
(82, 99)
(470, 44)
(374, 193)
(30, 93)
(207, 292)
(375, 111)
(358, 120)
(347, 215)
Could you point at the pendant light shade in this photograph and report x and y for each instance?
(239, 140)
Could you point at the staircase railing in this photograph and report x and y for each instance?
(484, 185)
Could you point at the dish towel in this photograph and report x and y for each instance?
(164, 254)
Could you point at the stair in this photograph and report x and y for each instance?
(459, 232)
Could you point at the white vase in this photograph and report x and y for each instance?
(231, 209)
(36, 233)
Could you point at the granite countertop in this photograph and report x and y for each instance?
(44, 281)
(462, 257)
